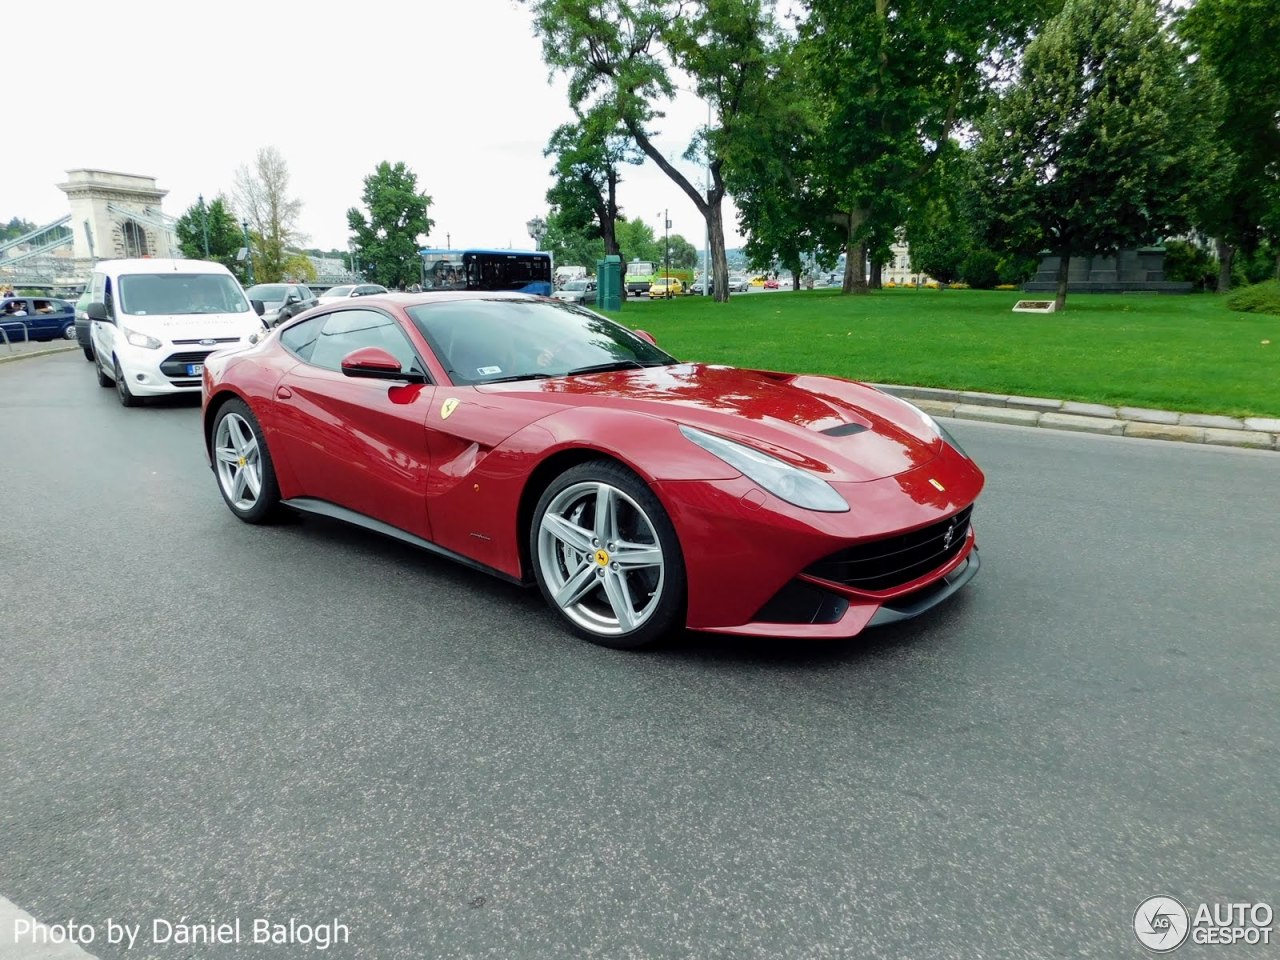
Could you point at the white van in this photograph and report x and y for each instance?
(153, 322)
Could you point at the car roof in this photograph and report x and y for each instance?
(159, 265)
(443, 296)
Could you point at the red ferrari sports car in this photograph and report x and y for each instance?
(546, 444)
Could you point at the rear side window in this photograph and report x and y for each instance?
(300, 339)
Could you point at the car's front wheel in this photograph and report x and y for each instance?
(606, 556)
(69, 331)
(127, 396)
(88, 352)
(246, 475)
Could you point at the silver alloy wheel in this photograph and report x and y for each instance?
(239, 458)
(601, 558)
(69, 332)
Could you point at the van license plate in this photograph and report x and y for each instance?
(195, 369)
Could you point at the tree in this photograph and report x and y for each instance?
(1236, 40)
(888, 85)
(388, 240)
(224, 233)
(681, 255)
(1095, 147)
(588, 153)
(618, 53)
(16, 227)
(571, 243)
(262, 195)
(636, 241)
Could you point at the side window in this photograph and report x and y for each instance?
(349, 330)
(305, 293)
(108, 298)
(97, 288)
(300, 339)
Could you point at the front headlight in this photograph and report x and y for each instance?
(140, 339)
(781, 479)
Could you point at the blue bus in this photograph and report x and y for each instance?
(527, 271)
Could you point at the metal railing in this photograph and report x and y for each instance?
(26, 333)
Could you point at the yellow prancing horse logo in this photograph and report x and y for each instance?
(448, 407)
(602, 557)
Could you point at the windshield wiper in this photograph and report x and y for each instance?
(617, 365)
(519, 376)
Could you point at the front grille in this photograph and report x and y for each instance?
(893, 561)
(185, 383)
(175, 365)
(214, 339)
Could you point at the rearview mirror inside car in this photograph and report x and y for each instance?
(645, 335)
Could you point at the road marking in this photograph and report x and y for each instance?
(16, 938)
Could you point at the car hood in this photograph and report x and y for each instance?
(844, 430)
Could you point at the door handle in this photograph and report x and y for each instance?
(283, 393)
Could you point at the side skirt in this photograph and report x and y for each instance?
(324, 508)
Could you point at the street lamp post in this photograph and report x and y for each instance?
(666, 243)
(204, 224)
(537, 228)
(248, 253)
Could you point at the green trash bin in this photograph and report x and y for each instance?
(609, 282)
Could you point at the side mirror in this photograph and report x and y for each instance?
(258, 307)
(97, 310)
(374, 363)
(645, 335)
(292, 298)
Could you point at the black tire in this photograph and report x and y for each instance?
(127, 397)
(69, 330)
(103, 379)
(641, 522)
(88, 353)
(266, 505)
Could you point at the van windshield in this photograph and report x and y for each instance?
(143, 294)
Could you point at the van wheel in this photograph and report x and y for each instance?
(103, 379)
(127, 399)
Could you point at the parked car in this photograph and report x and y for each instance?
(771, 284)
(37, 318)
(333, 294)
(641, 494)
(155, 321)
(577, 291)
(739, 283)
(665, 288)
(83, 326)
(280, 301)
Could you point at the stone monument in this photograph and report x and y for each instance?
(1129, 271)
(116, 216)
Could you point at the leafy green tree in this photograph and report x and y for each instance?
(888, 85)
(388, 239)
(224, 232)
(262, 196)
(682, 255)
(570, 242)
(588, 154)
(16, 227)
(1236, 41)
(620, 53)
(636, 241)
(1096, 146)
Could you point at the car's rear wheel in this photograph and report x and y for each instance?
(606, 556)
(127, 398)
(246, 476)
(69, 331)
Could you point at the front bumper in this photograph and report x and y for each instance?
(153, 373)
(758, 567)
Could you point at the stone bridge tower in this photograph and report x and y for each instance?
(116, 215)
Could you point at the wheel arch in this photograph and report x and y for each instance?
(540, 478)
(216, 402)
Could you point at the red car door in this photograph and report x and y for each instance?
(354, 442)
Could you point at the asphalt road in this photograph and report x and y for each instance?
(210, 721)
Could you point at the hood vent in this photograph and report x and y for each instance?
(844, 430)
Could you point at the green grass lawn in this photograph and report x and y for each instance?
(1172, 352)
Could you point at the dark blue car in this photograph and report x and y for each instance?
(43, 318)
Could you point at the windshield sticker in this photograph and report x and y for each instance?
(488, 371)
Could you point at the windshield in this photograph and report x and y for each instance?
(269, 293)
(483, 341)
(576, 285)
(338, 292)
(156, 294)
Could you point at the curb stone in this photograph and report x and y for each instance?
(1255, 433)
(10, 357)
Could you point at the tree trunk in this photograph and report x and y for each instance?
(1226, 252)
(609, 222)
(877, 276)
(1064, 267)
(719, 262)
(795, 279)
(855, 256)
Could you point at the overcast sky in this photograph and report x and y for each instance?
(187, 92)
